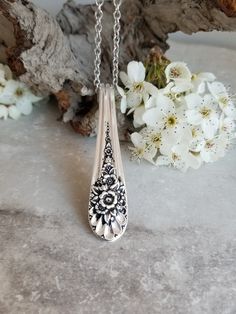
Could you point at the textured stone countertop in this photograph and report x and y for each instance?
(177, 256)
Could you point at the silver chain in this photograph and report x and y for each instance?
(116, 40)
(98, 42)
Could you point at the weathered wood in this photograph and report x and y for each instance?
(56, 55)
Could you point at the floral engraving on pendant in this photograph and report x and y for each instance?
(108, 202)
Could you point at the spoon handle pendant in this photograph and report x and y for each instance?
(108, 208)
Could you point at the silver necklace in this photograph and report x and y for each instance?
(108, 208)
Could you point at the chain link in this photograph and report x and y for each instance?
(98, 41)
(116, 40)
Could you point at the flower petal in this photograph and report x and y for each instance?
(150, 88)
(181, 86)
(216, 88)
(14, 112)
(193, 100)
(153, 117)
(24, 106)
(209, 101)
(137, 139)
(123, 102)
(201, 88)
(193, 117)
(169, 139)
(120, 91)
(3, 112)
(180, 149)
(133, 99)
(32, 97)
(150, 103)
(210, 127)
(227, 125)
(165, 104)
(6, 99)
(205, 155)
(125, 79)
(193, 161)
(138, 116)
(229, 110)
(136, 71)
(206, 76)
(163, 161)
(123, 105)
(8, 95)
(150, 153)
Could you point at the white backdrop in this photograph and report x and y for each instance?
(225, 39)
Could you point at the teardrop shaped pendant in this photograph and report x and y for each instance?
(108, 208)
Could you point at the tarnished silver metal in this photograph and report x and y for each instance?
(108, 208)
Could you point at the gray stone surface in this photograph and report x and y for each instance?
(178, 255)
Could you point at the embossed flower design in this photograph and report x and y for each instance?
(108, 213)
(108, 151)
(108, 203)
(110, 180)
(108, 199)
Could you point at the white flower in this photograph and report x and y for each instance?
(180, 158)
(137, 111)
(199, 81)
(227, 125)
(141, 150)
(213, 149)
(221, 95)
(14, 112)
(162, 113)
(177, 71)
(176, 157)
(190, 121)
(3, 112)
(172, 91)
(19, 94)
(152, 138)
(175, 150)
(203, 111)
(138, 90)
(197, 137)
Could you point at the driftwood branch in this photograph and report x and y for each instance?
(56, 55)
